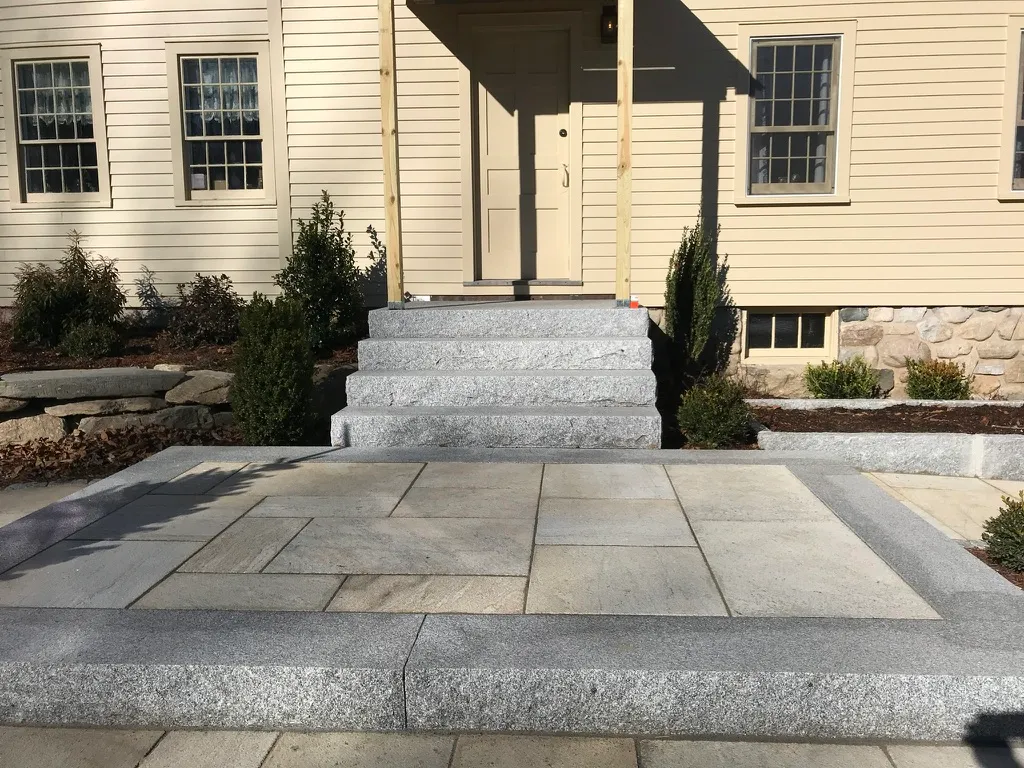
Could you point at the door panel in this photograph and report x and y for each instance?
(522, 101)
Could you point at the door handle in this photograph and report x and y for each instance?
(565, 177)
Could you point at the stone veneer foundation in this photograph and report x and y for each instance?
(988, 341)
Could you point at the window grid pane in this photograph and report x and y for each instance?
(792, 113)
(1018, 139)
(55, 127)
(220, 104)
(785, 330)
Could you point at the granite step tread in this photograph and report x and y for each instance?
(604, 388)
(510, 320)
(499, 427)
(477, 353)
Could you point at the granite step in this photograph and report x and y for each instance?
(534, 319)
(496, 427)
(508, 354)
(386, 389)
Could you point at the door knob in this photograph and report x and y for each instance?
(563, 133)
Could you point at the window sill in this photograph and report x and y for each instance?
(753, 201)
(226, 203)
(1017, 196)
(801, 360)
(63, 205)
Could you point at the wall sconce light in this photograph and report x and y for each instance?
(609, 24)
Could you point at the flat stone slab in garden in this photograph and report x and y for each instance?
(745, 594)
(74, 384)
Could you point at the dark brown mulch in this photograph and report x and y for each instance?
(984, 419)
(80, 457)
(143, 351)
(1015, 577)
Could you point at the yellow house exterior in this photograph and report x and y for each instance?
(861, 158)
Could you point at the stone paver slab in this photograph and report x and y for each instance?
(374, 505)
(210, 749)
(743, 492)
(732, 754)
(1008, 487)
(360, 750)
(339, 481)
(804, 569)
(606, 481)
(169, 518)
(956, 757)
(246, 546)
(73, 747)
(543, 752)
(962, 511)
(935, 482)
(202, 478)
(470, 546)
(622, 580)
(467, 502)
(242, 592)
(619, 522)
(92, 574)
(21, 499)
(517, 477)
(431, 594)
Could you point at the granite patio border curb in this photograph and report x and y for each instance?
(937, 453)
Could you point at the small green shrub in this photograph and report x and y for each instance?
(207, 312)
(713, 413)
(937, 380)
(322, 278)
(91, 340)
(156, 309)
(271, 396)
(852, 378)
(693, 288)
(48, 303)
(1004, 534)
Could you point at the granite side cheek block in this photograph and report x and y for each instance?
(708, 703)
(172, 696)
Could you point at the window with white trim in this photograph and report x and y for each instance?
(56, 134)
(788, 335)
(1018, 138)
(793, 115)
(222, 122)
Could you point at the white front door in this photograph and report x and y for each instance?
(522, 102)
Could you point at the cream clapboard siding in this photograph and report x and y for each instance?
(143, 226)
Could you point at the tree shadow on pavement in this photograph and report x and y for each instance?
(991, 736)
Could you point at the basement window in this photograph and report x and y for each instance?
(788, 336)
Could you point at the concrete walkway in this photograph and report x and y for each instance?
(69, 748)
(20, 499)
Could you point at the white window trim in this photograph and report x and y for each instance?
(20, 199)
(217, 198)
(791, 356)
(1015, 33)
(846, 32)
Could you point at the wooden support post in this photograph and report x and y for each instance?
(389, 143)
(624, 174)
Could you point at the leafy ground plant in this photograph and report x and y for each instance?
(846, 379)
(1004, 534)
(937, 380)
(207, 312)
(713, 413)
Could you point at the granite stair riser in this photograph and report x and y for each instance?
(519, 389)
(565, 427)
(505, 354)
(537, 322)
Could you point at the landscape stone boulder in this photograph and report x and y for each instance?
(16, 431)
(894, 350)
(106, 407)
(79, 384)
(176, 367)
(203, 388)
(886, 380)
(10, 405)
(178, 417)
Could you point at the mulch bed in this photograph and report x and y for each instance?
(982, 419)
(1015, 577)
(140, 351)
(82, 457)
